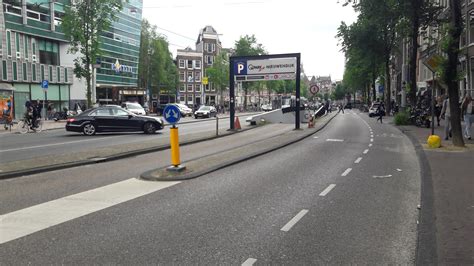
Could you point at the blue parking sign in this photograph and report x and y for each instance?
(44, 84)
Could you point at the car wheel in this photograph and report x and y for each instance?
(88, 129)
(195, 117)
(149, 128)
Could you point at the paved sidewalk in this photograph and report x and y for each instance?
(446, 230)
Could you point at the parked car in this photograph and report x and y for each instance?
(112, 119)
(266, 107)
(373, 109)
(185, 110)
(205, 111)
(135, 108)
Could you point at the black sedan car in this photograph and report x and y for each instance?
(112, 119)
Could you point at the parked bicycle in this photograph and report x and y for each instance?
(25, 125)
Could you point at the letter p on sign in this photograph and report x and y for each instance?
(240, 67)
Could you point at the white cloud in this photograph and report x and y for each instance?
(297, 26)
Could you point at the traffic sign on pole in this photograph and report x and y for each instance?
(314, 89)
(45, 85)
(172, 114)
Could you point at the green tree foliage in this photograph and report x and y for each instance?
(156, 69)
(82, 24)
(219, 74)
(247, 46)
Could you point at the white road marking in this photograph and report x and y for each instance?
(381, 176)
(358, 160)
(366, 151)
(371, 140)
(249, 262)
(370, 145)
(293, 221)
(399, 170)
(27, 221)
(55, 144)
(315, 137)
(335, 140)
(348, 170)
(327, 190)
(371, 136)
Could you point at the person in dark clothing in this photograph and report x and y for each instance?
(36, 115)
(380, 111)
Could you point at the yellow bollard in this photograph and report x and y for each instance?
(434, 141)
(174, 141)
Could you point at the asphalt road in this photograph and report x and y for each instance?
(14, 147)
(314, 202)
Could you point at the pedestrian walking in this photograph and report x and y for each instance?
(446, 115)
(438, 107)
(380, 111)
(468, 112)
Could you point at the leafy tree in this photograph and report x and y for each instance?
(82, 24)
(450, 70)
(219, 74)
(248, 46)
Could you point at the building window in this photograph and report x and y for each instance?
(198, 76)
(17, 42)
(190, 99)
(190, 64)
(206, 87)
(33, 72)
(65, 75)
(212, 87)
(197, 64)
(48, 52)
(198, 87)
(25, 41)
(15, 71)
(209, 59)
(42, 72)
(33, 44)
(181, 99)
(25, 73)
(50, 73)
(4, 70)
(9, 43)
(14, 10)
(206, 46)
(190, 87)
(181, 63)
(182, 76)
(58, 73)
(182, 88)
(190, 76)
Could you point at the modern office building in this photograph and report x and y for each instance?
(116, 79)
(31, 49)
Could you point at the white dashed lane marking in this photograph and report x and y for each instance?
(335, 140)
(366, 151)
(370, 145)
(293, 221)
(327, 190)
(348, 170)
(249, 262)
(358, 160)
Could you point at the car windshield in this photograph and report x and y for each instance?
(134, 106)
(205, 108)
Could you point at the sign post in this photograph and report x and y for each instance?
(44, 86)
(433, 62)
(172, 115)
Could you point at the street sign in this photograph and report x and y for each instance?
(44, 85)
(172, 114)
(205, 80)
(314, 89)
(433, 62)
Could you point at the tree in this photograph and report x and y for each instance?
(219, 74)
(82, 24)
(156, 69)
(248, 46)
(450, 70)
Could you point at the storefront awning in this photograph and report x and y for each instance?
(6, 87)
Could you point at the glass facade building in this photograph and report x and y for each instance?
(116, 79)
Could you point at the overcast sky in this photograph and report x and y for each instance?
(282, 26)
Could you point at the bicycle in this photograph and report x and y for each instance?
(25, 126)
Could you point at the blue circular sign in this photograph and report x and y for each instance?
(171, 114)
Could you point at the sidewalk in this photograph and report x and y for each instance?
(446, 230)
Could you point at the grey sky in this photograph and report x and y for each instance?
(282, 26)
